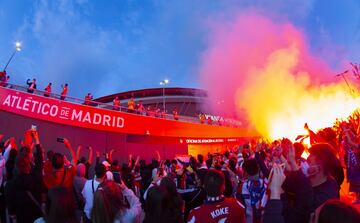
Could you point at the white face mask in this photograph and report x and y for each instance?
(304, 168)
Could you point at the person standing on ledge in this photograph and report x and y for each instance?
(32, 85)
(131, 105)
(88, 99)
(64, 91)
(47, 90)
(116, 104)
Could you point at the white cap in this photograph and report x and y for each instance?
(106, 163)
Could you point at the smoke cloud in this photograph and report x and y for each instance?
(264, 72)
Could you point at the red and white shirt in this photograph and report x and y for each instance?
(218, 210)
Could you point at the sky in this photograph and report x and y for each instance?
(108, 46)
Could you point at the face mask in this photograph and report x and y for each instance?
(304, 168)
(313, 170)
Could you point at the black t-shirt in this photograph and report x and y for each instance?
(325, 191)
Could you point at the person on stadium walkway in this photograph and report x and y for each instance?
(3, 75)
(31, 85)
(157, 112)
(202, 118)
(217, 208)
(175, 114)
(140, 108)
(209, 121)
(64, 91)
(131, 105)
(88, 99)
(4, 80)
(116, 104)
(163, 114)
(47, 90)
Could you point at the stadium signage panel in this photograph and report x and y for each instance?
(209, 141)
(41, 107)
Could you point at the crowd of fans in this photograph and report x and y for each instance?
(270, 182)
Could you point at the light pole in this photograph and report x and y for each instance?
(164, 83)
(17, 49)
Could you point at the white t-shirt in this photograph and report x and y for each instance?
(88, 191)
(40, 220)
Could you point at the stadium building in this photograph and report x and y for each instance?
(104, 129)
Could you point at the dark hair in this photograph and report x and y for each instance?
(200, 158)
(250, 167)
(108, 203)
(50, 154)
(155, 163)
(10, 164)
(325, 156)
(2, 144)
(128, 179)
(299, 149)
(161, 206)
(58, 161)
(169, 185)
(115, 163)
(60, 206)
(83, 160)
(214, 183)
(232, 164)
(12, 155)
(193, 162)
(209, 162)
(335, 211)
(174, 161)
(201, 173)
(100, 171)
(153, 207)
(23, 164)
(25, 151)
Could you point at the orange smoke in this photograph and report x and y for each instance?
(279, 102)
(265, 72)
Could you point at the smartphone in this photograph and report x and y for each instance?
(33, 127)
(60, 140)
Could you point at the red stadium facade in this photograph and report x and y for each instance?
(104, 129)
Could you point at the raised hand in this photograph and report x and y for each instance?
(67, 143)
(277, 179)
(291, 158)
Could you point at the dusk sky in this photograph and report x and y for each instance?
(108, 46)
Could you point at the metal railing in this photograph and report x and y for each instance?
(101, 105)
